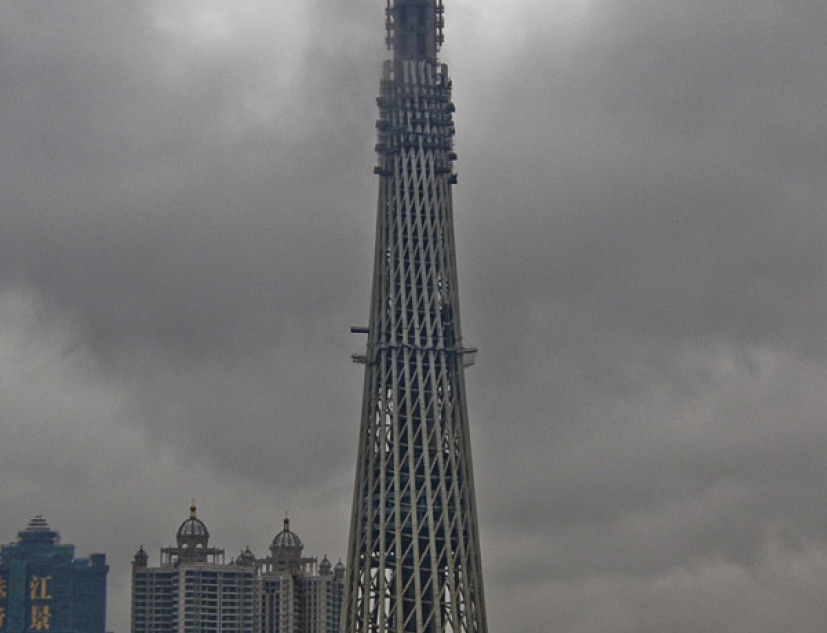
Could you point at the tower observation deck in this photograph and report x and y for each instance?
(413, 553)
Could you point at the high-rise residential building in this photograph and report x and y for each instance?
(195, 591)
(413, 562)
(298, 594)
(43, 587)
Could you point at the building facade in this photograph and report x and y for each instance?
(43, 587)
(298, 594)
(413, 562)
(195, 591)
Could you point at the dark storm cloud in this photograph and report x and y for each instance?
(186, 216)
(662, 215)
(670, 206)
(158, 205)
(172, 207)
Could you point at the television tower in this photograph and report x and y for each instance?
(414, 554)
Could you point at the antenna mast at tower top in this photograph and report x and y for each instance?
(414, 28)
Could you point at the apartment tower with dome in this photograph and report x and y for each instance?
(194, 590)
(298, 594)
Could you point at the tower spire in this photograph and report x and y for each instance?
(414, 28)
(413, 553)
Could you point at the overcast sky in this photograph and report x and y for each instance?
(186, 227)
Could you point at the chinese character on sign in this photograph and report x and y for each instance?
(39, 588)
(2, 617)
(4, 592)
(41, 616)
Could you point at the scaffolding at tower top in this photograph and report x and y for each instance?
(414, 28)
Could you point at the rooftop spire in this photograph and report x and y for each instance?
(38, 531)
(414, 28)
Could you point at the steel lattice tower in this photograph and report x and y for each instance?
(414, 553)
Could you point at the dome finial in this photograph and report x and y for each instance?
(192, 509)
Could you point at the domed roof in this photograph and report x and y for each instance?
(193, 526)
(286, 538)
(340, 566)
(325, 566)
(141, 558)
(193, 530)
(246, 558)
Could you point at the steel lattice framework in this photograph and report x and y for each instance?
(414, 555)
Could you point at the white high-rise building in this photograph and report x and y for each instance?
(298, 594)
(195, 591)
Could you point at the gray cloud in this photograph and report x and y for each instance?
(186, 217)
